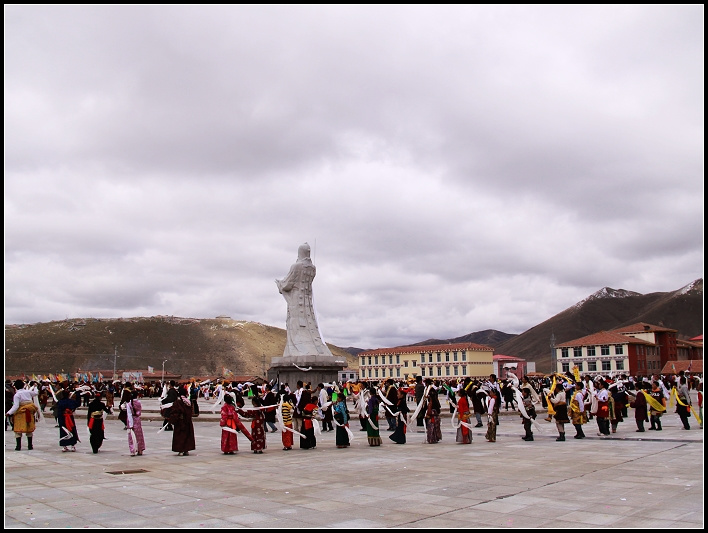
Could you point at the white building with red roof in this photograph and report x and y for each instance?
(608, 352)
(639, 349)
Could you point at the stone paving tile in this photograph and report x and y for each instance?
(499, 506)
(326, 505)
(439, 523)
(669, 513)
(314, 517)
(591, 517)
(426, 508)
(639, 522)
(32, 511)
(507, 521)
(212, 523)
(11, 523)
(224, 511)
(356, 523)
(87, 509)
(251, 519)
(562, 524)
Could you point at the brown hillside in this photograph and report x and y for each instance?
(190, 346)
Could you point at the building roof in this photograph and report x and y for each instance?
(643, 327)
(674, 367)
(603, 337)
(429, 348)
(500, 357)
(697, 338)
(689, 343)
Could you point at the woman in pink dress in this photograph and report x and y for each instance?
(136, 440)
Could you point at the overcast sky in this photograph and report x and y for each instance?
(454, 169)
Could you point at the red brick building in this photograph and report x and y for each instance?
(665, 339)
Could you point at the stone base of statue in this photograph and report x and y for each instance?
(312, 369)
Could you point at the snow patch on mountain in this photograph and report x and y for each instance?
(607, 292)
(694, 286)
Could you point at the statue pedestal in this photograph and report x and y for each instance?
(312, 369)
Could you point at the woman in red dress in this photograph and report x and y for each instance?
(230, 419)
(464, 433)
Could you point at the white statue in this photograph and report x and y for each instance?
(303, 334)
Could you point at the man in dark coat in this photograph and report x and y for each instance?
(270, 399)
(391, 396)
(640, 408)
(170, 399)
(419, 392)
(95, 422)
(181, 419)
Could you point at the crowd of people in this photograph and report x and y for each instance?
(305, 412)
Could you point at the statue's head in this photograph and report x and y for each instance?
(304, 251)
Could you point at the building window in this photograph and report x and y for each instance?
(363, 361)
(390, 359)
(369, 360)
(464, 369)
(398, 372)
(604, 350)
(405, 363)
(414, 362)
(591, 351)
(390, 372)
(447, 370)
(398, 359)
(606, 365)
(455, 369)
(464, 355)
(592, 366)
(439, 359)
(619, 365)
(439, 371)
(447, 357)
(564, 352)
(376, 360)
(376, 372)
(422, 358)
(565, 366)
(454, 356)
(580, 366)
(430, 357)
(577, 351)
(422, 371)
(619, 349)
(369, 372)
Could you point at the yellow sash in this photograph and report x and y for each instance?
(551, 411)
(652, 402)
(674, 393)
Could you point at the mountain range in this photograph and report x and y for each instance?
(604, 310)
(192, 346)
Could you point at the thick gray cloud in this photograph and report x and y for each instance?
(454, 168)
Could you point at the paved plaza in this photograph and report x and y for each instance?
(636, 480)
